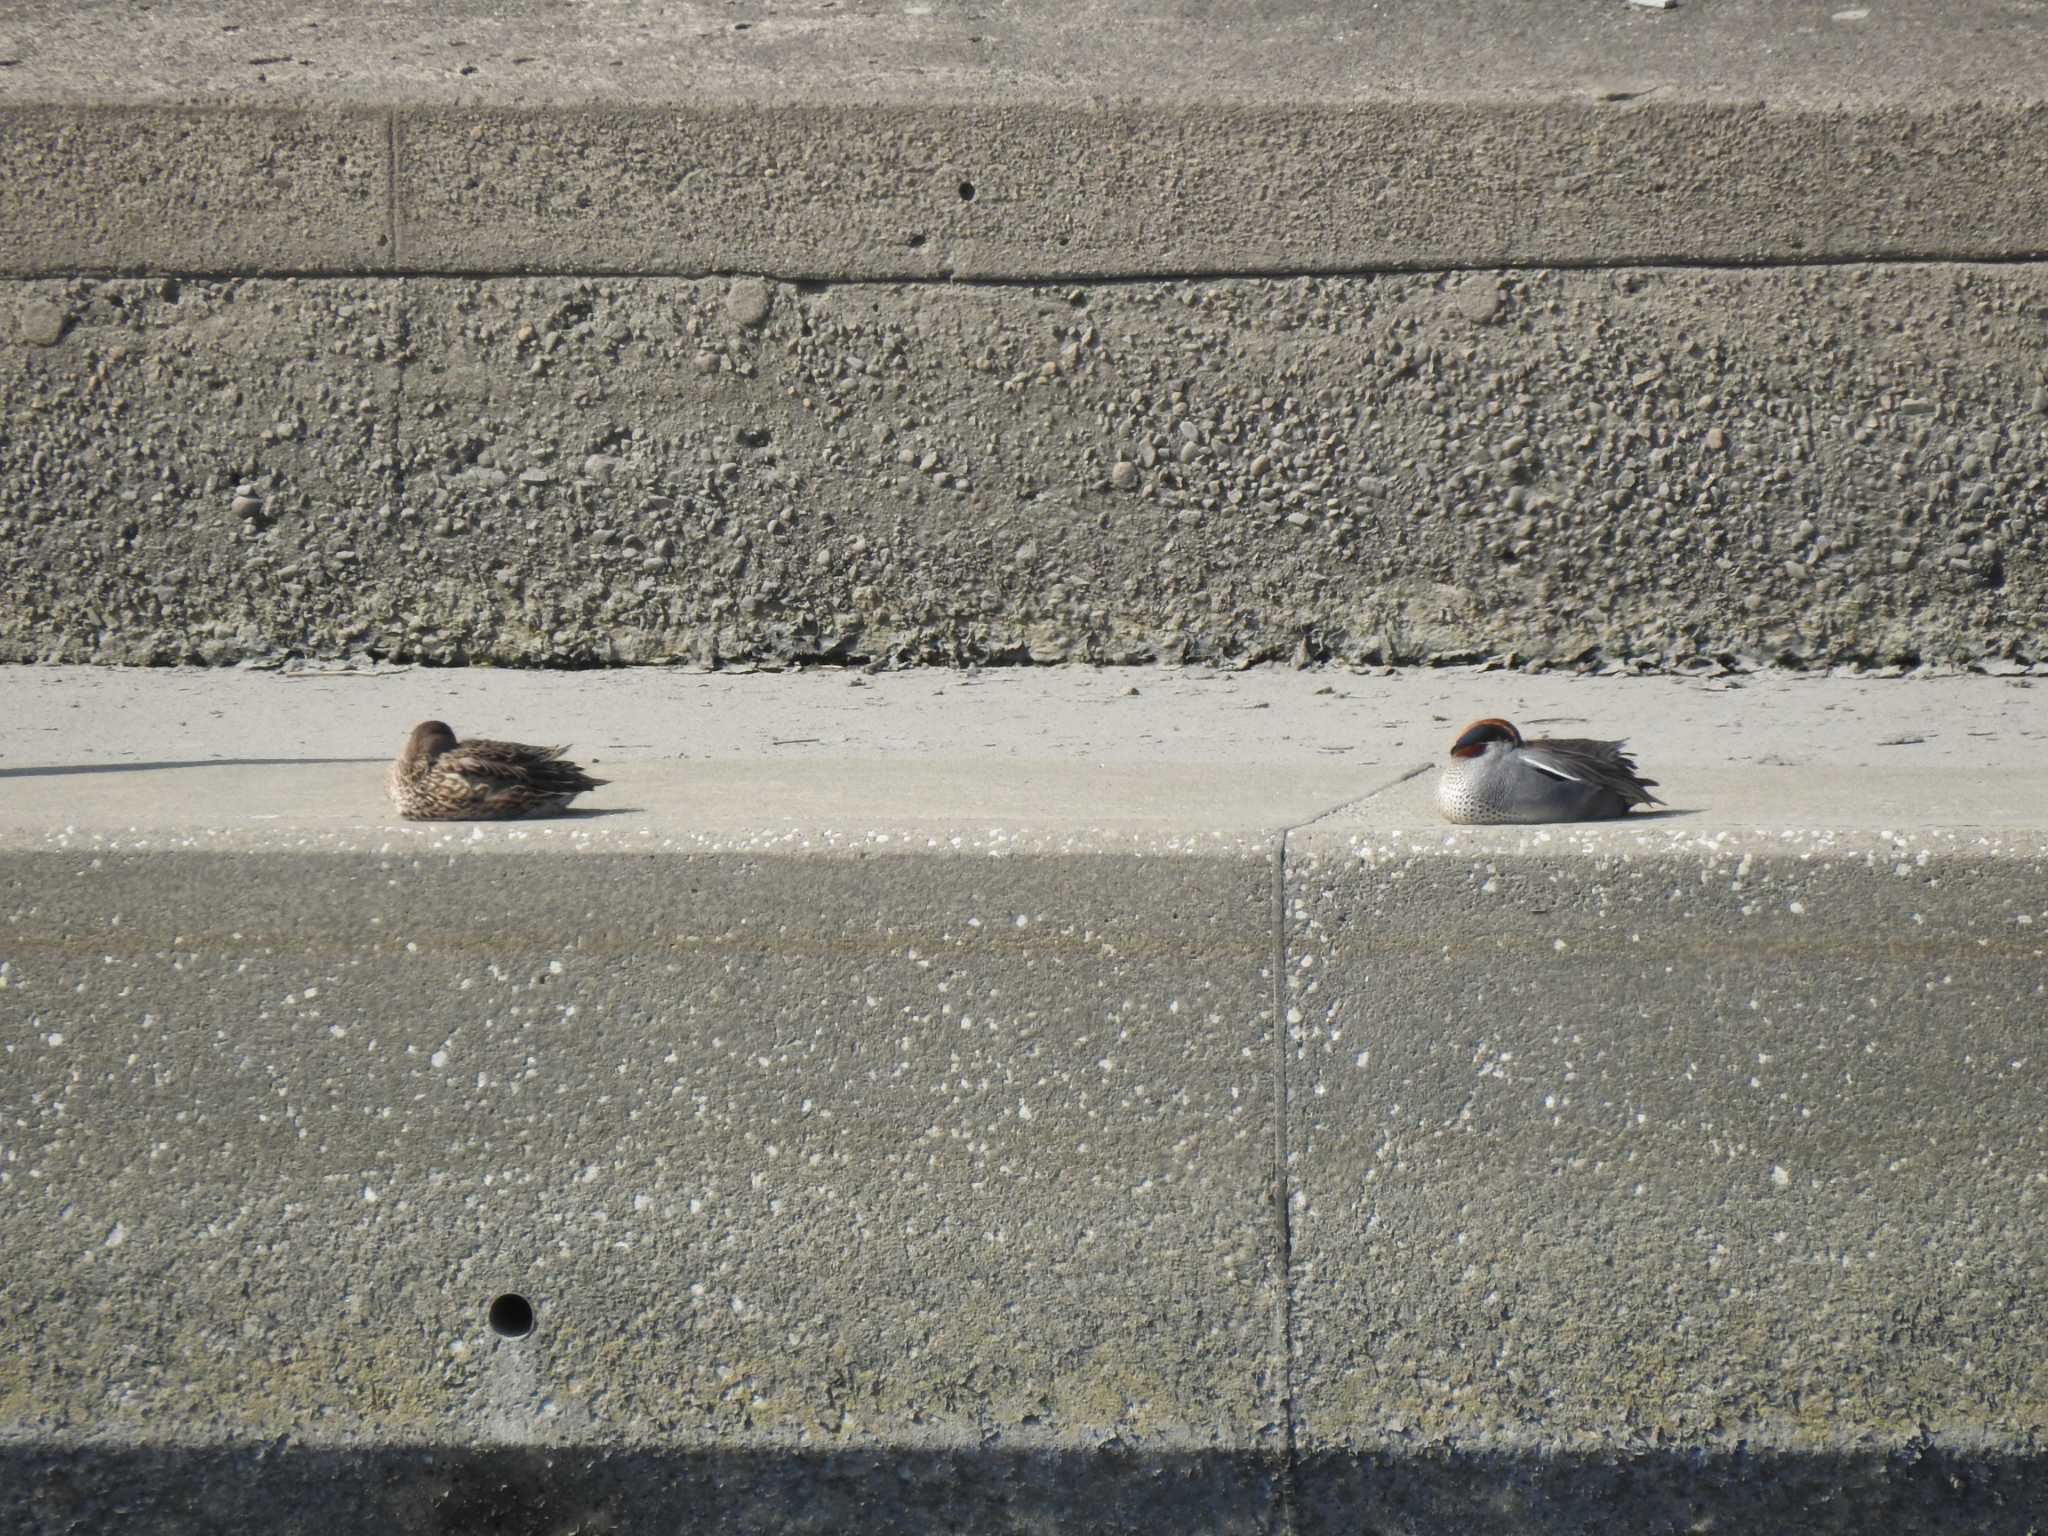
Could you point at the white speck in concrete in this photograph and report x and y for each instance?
(1779, 1176)
(439, 1058)
(118, 1236)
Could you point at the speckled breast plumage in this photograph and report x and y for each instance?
(1462, 794)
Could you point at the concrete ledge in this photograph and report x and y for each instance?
(135, 188)
(872, 1133)
(1020, 192)
(489, 139)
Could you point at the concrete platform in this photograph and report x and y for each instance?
(1012, 1100)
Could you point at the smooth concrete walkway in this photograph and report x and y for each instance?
(1010, 1100)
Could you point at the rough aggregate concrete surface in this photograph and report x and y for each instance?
(1658, 467)
(1650, 1116)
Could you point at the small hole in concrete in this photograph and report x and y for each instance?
(916, 241)
(966, 191)
(511, 1316)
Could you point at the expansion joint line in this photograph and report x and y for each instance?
(1283, 1190)
(402, 317)
(401, 306)
(392, 257)
(1283, 1167)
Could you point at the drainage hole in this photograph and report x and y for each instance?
(966, 191)
(511, 1316)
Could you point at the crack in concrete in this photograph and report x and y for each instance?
(1283, 1152)
(1283, 1193)
(1091, 277)
(1356, 800)
(391, 178)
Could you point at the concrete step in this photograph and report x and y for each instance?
(1049, 139)
(1134, 1114)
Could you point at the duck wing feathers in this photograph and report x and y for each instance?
(1596, 764)
(515, 765)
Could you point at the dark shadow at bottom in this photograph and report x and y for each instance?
(591, 1491)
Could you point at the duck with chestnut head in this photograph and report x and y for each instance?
(1495, 776)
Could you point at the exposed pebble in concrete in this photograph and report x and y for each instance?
(747, 301)
(38, 323)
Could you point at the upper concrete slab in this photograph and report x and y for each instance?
(1914, 53)
(1048, 140)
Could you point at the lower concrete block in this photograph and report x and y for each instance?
(1639, 1171)
(891, 1142)
(814, 1154)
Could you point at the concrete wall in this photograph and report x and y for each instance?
(1312, 276)
(1841, 463)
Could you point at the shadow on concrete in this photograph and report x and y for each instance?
(456, 1490)
(59, 769)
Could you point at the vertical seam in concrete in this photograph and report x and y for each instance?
(394, 141)
(1283, 1192)
(391, 143)
(402, 325)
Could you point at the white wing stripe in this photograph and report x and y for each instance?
(1551, 769)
